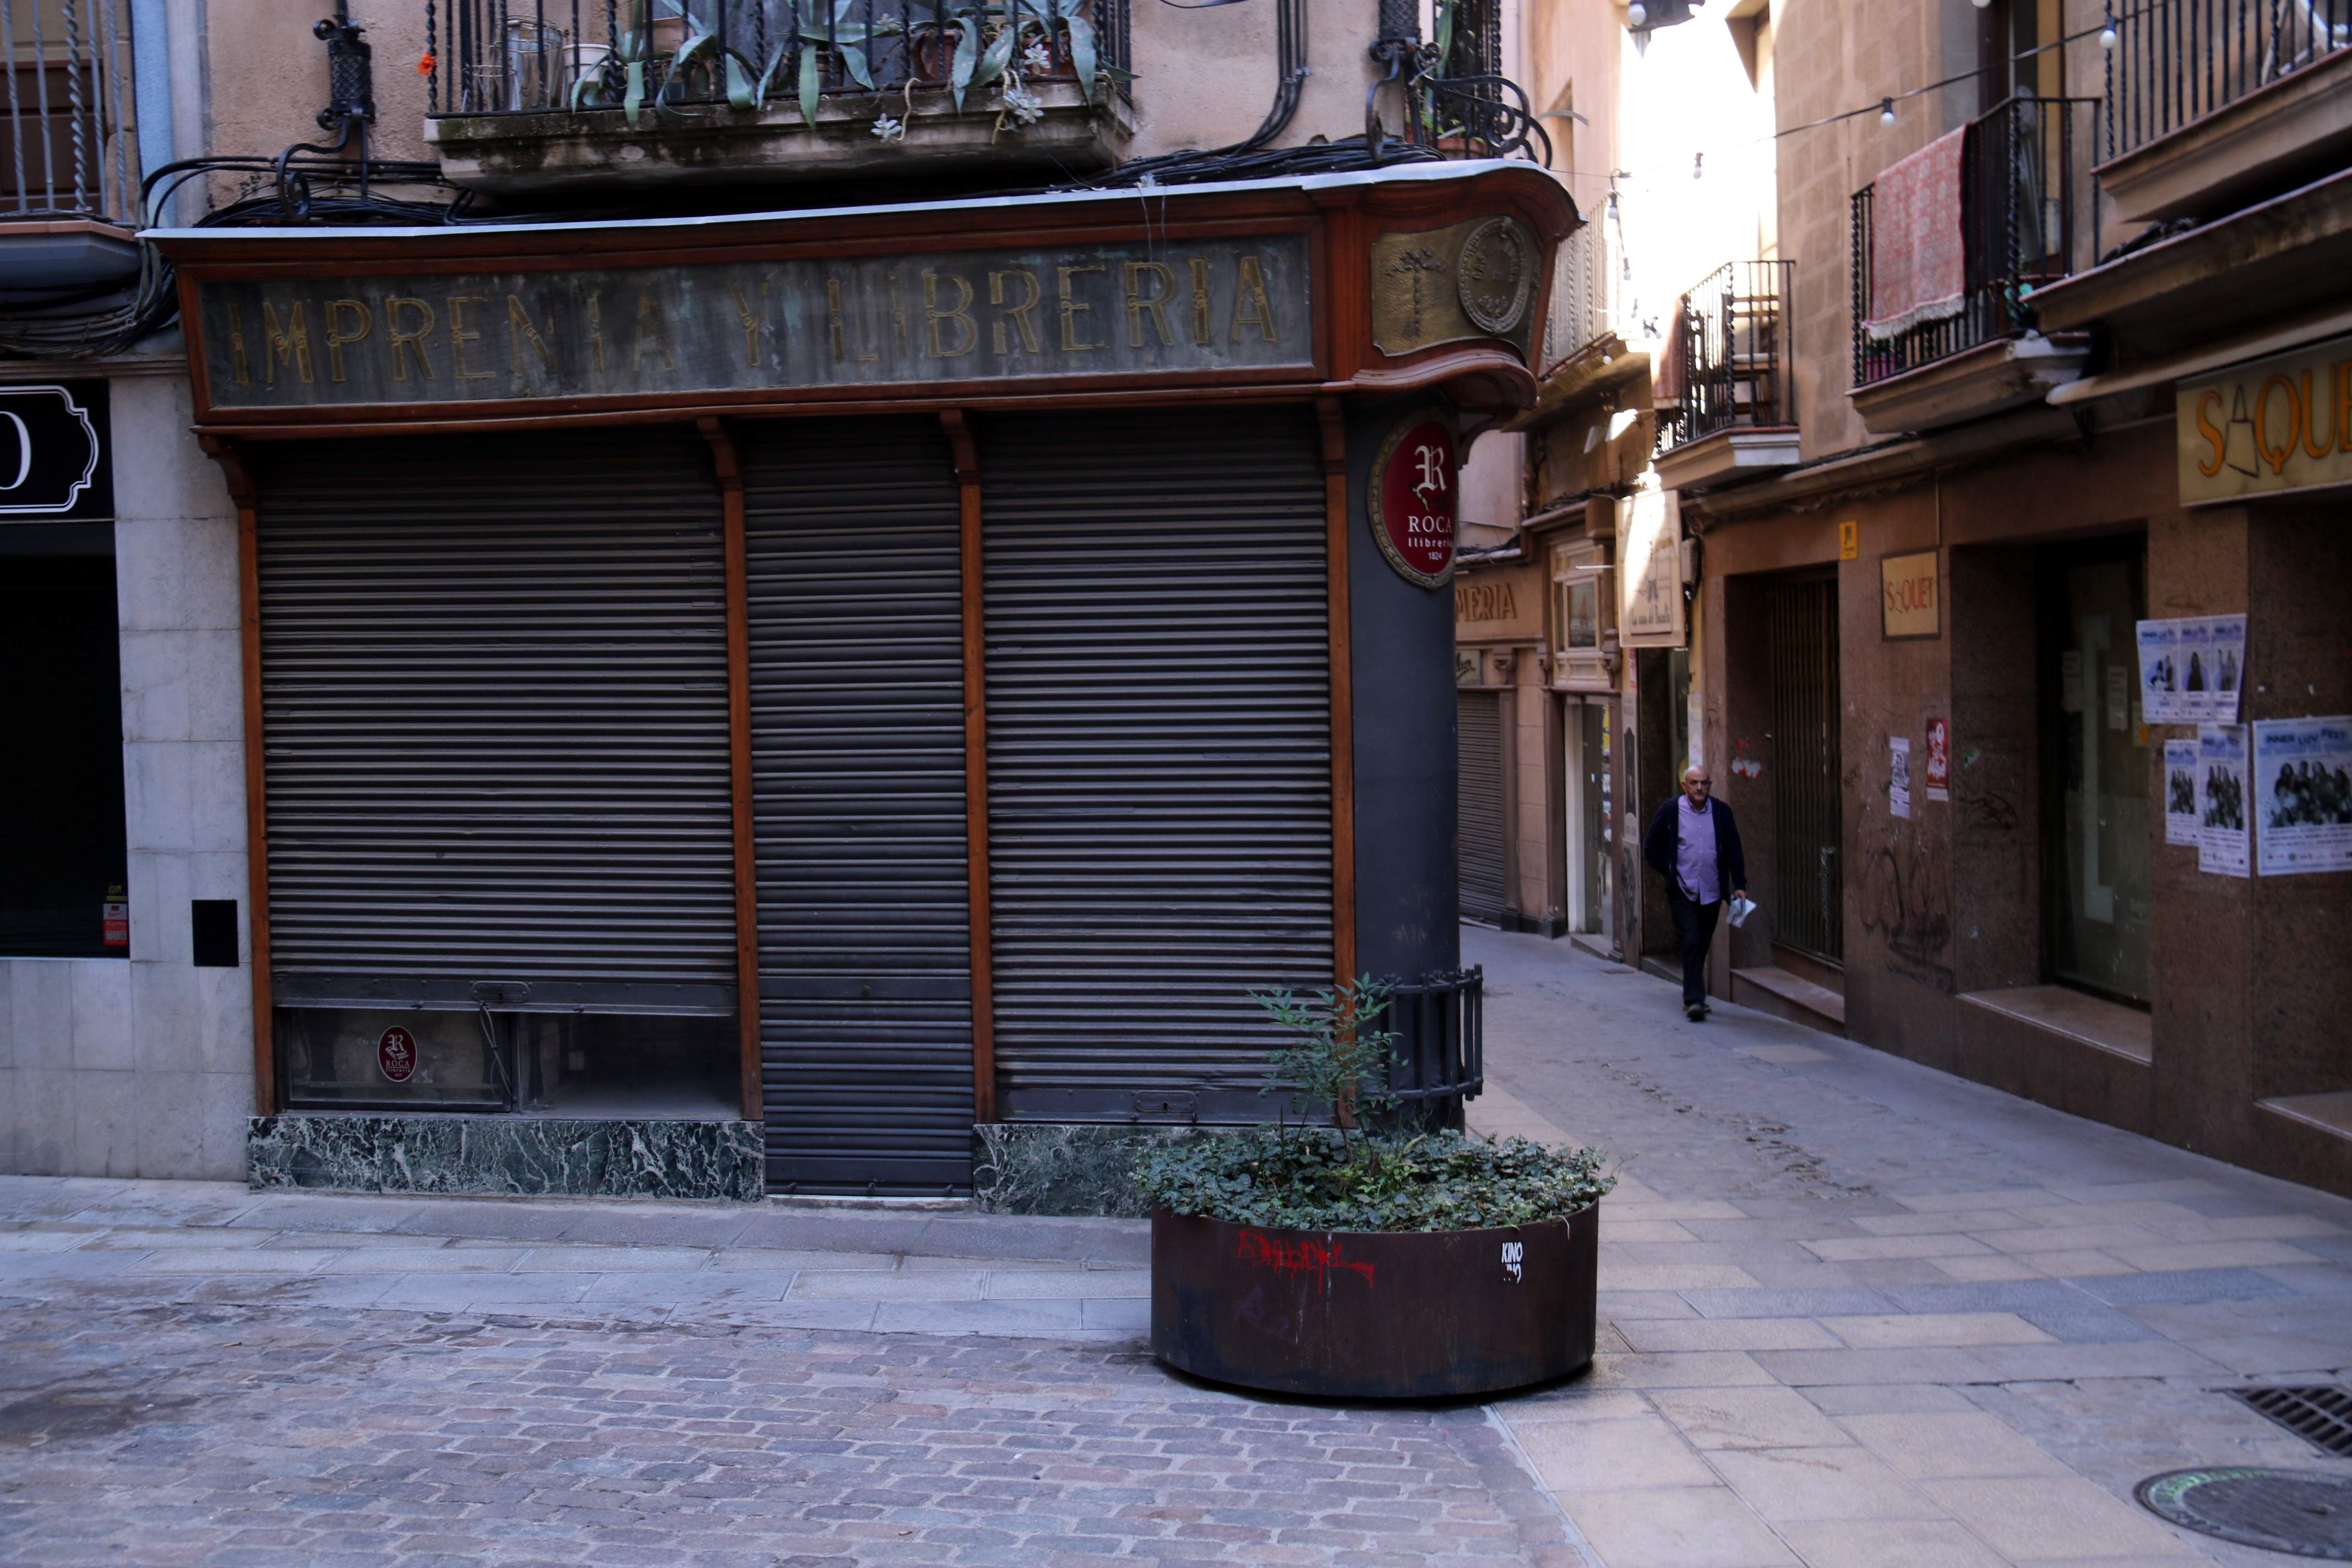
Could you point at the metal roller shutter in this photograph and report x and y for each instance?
(856, 632)
(1479, 802)
(494, 696)
(1159, 753)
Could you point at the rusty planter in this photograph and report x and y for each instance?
(1374, 1315)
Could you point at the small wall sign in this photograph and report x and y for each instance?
(53, 464)
(1910, 603)
(1412, 501)
(395, 1054)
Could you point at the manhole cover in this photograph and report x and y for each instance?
(2305, 1512)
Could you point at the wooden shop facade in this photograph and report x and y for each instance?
(779, 693)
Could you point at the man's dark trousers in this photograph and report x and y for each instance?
(1695, 926)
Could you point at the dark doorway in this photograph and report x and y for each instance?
(1807, 880)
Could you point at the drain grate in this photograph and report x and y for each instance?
(2305, 1514)
(2320, 1414)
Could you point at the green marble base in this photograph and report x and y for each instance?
(1062, 1167)
(510, 1156)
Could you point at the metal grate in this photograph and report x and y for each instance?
(2320, 1414)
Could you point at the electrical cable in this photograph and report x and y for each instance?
(1194, 165)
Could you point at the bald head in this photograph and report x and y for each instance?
(1697, 784)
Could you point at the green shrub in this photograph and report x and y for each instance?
(1306, 1179)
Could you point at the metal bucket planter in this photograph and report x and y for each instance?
(1374, 1315)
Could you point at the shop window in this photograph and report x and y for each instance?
(538, 1064)
(2097, 894)
(1575, 616)
(62, 879)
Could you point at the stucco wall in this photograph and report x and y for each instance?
(144, 1067)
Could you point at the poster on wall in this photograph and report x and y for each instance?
(2190, 668)
(1898, 775)
(2222, 842)
(1939, 760)
(1649, 570)
(2302, 794)
(2181, 819)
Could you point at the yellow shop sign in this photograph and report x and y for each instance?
(2271, 426)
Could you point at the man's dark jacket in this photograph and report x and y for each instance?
(1661, 846)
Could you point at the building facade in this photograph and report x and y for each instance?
(838, 677)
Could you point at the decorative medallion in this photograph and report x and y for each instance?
(1412, 501)
(395, 1054)
(1495, 274)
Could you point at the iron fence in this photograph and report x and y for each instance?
(1730, 355)
(1579, 297)
(2026, 196)
(1440, 1050)
(652, 57)
(2176, 61)
(68, 149)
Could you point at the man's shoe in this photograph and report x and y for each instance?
(1705, 1009)
(1696, 1012)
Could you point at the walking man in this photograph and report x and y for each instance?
(1694, 844)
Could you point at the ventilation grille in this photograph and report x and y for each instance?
(2320, 1414)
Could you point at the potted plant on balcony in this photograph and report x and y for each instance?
(1362, 1258)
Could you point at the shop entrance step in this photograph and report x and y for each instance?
(1769, 988)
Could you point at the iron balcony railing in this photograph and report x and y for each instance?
(655, 59)
(1579, 297)
(1729, 357)
(2024, 199)
(68, 149)
(2176, 61)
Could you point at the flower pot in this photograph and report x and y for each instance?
(1374, 1315)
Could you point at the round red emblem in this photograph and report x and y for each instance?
(395, 1053)
(1414, 501)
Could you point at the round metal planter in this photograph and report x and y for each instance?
(1374, 1315)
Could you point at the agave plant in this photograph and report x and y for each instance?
(988, 35)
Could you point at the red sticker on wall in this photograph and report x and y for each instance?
(395, 1053)
(1414, 501)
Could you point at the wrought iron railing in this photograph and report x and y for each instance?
(1729, 357)
(68, 149)
(2025, 204)
(1579, 297)
(1440, 1050)
(2175, 61)
(659, 58)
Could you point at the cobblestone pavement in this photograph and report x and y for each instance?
(1855, 1314)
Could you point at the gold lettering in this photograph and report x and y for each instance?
(1017, 314)
(2277, 460)
(967, 330)
(1072, 310)
(236, 344)
(2311, 422)
(1201, 300)
(596, 328)
(460, 337)
(898, 318)
(518, 327)
(750, 319)
(2212, 433)
(288, 343)
(1249, 287)
(337, 337)
(650, 325)
(1156, 302)
(404, 343)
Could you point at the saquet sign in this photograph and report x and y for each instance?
(2271, 426)
(1222, 305)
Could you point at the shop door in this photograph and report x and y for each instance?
(1159, 753)
(1588, 815)
(1478, 801)
(1808, 876)
(857, 661)
(494, 729)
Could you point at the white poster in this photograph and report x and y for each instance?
(2221, 800)
(2191, 669)
(1650, 570)
(2303, 795)
(2181, 818)
(1898, 775)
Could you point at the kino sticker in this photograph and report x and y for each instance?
(1414, 501)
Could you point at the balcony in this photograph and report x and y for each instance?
(2016, 217)
(533, 95)
(68, 156)
(1726, 384)
(2218, 104)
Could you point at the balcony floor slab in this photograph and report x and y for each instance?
(1990, 378)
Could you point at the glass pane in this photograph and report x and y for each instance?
(574, 1064)
(405, 1057)
(1583, 615)
(550, 1064)
(1594, 759)
(2098, 890)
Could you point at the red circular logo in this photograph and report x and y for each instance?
(395, 1053)
(1415, 501)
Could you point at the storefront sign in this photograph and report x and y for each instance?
(1486, 601)
(1113, 309)
(395, 1054)
(1908, 603)
(2267, 426)
(1470, 279)
(1412, 501)
(52, 461)
(1649, 570)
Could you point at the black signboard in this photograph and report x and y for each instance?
(55, 465)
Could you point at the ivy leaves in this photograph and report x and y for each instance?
(1309, 1181)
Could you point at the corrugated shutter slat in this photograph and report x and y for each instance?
(1481, 807)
